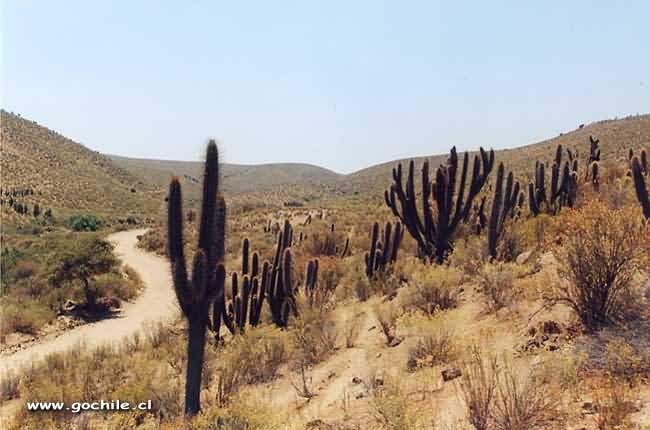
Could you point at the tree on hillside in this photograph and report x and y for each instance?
(91, 258)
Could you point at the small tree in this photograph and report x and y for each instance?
(90, 258)
(604, 250)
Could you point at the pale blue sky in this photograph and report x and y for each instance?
(341, 84)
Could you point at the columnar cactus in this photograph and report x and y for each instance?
(245, 305)
(381, 256)
(434, 232)
(564, 187)
(640, 186)
(503, 207)
(196, 294)
(643, 162)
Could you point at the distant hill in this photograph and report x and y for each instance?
(66, 176)
(616, 137)
(237, 178)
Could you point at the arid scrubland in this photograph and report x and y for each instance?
(466, 297)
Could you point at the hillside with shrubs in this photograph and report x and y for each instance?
(490, 290)
(41, 168)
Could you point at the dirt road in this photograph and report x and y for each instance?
(156, 303)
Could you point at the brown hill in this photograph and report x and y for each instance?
(66, 176)
(616, 137)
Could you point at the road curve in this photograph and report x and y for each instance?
(156, 302)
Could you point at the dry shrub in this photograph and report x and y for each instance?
(352, 330)
(496, 282)
(23, 316)
(387, 315)
(613, 406)
(24, 269)
(250, 358)
(604, 249)
(470, 254)
(435, 288)
(478, 385)
(314, 335)
(624, 363)
(498, 396)
(391, 405)
(432, 349)
(9, 386)
(354, 282)
(523, 401)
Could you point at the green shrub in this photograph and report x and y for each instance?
(26, 316)
(84, 222)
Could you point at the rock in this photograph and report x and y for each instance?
(356, 380)
(378, 355)
(318, 425)
(372, 328)
(70, 306)
(360, 395)
(523, 257)
(450, 373)
(394, 342)
(551, 327)
(588, 408)
(379, 381)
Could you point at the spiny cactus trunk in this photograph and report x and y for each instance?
(196, 294)
(195, 351)
(640, 186)
(503, 206)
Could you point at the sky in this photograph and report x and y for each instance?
(340, 84)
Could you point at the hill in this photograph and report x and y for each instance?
(275, 183)
(237, 178)
(66, 176)
(616, 137)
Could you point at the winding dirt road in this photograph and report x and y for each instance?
(156, 303)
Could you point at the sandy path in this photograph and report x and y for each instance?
(156, 303)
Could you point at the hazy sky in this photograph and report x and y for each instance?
(342, 84)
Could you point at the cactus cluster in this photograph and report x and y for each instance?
(196, 294)
(383, 254)
(328, 244)
(434, 231)
(271, 282)
(564, 185)
(504, 207)
(247, 297)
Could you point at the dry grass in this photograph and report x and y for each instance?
(432, 349)
(523, 401)
(387, 315)
(434, 289)
(496, 283)
(478, 386)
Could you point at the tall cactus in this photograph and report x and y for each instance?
(503, 206)
(640, 186)
(383, 254)
(434, 233)
(195, 295)
(564, 185)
